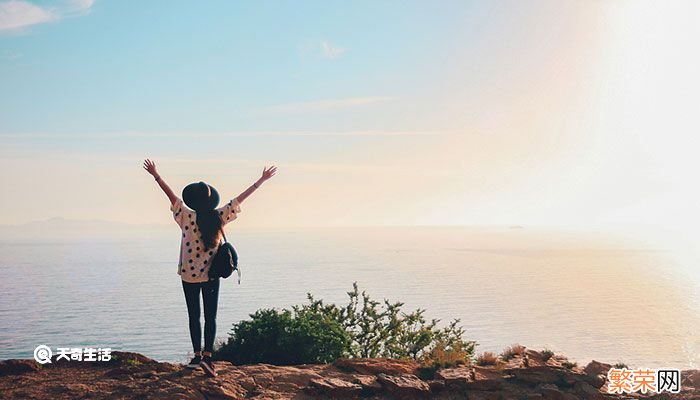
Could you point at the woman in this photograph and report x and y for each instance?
(202, 224)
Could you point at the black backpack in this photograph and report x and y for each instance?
(225, 261)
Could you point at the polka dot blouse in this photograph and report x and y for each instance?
(195, 259)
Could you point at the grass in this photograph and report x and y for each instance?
(511, 352)
(569, 365)
(487, 358)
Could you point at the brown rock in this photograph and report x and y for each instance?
(550, 392)
(691, 378)
(586, 391)
(117, 373)
(404, 386)
(17, 367)
(144, 378)
(596, 373)
(334, 387)
(485, 384)
(374, 366)
(454, 376)
(596, 368)
(214, 390)
(477, 395)
(436, 386)
(535, 375)
(368, 382)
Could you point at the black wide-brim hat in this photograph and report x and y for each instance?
(200, 196)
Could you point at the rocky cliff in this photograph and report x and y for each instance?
(135, 376)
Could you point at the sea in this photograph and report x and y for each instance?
(584, 294)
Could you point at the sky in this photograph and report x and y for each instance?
(565, 113)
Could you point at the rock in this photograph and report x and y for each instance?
(17, 367)
(369, 383)
(436, 386)
(596, 373)
(404, 386)
(477, 395)
(484, 379)
(691, 378)
(374, 366)
(132, 376)
(550, 392)
(485, 385)
(212, 390)
(454, 376)
(334, 387)
(535, 375)
(596, 368)
(117, 373)
(586, 391)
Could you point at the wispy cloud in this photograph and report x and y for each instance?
(325, 105)
(16, 15)
(322, 48)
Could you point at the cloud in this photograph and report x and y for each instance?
(322, 49)
(325, 105)
(15, 15)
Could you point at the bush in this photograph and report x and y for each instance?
(511, 351)
(382, 329)
(317, 333)
(449, 349)
(487, 358)
(284, 338)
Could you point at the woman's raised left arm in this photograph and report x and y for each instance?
(266, 174)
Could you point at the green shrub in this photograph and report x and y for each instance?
(317, 332)
(284, 338)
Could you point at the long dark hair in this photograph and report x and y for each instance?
(209, 223)
(203, 198)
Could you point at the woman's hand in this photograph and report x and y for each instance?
(150, 166)
(268, 173)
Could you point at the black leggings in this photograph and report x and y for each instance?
(210, 295)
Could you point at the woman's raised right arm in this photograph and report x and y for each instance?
(150, 166)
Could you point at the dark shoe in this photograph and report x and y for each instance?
(194, 363)
(208, 366)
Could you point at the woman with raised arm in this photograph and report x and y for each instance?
(201, 223)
